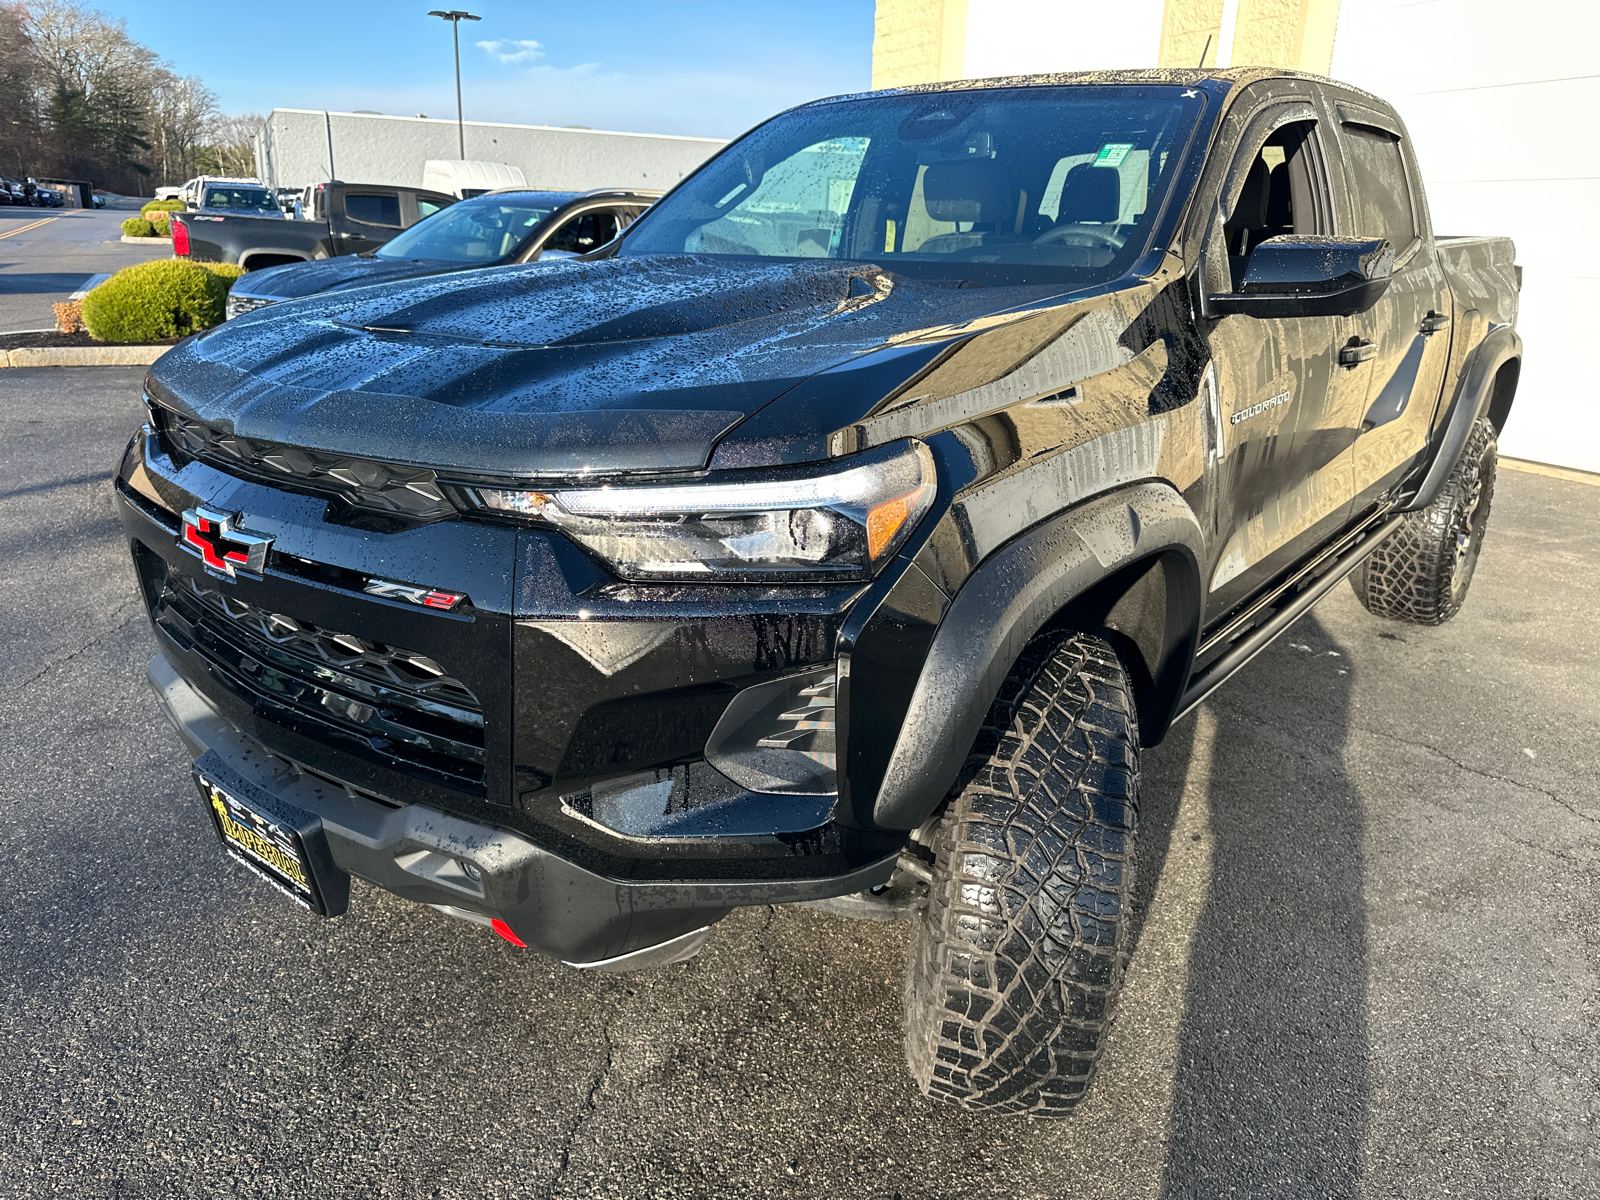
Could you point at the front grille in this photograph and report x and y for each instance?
(376, 486)
(396, 704)
(238, 305)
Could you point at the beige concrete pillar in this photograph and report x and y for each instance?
(918, 41)
(1267, 33)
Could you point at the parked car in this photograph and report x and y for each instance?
(190, 195)
(494, 230)
(286, 198)
(169, 193)
(48, 197)
(15, 194)
(237, 199)
(839, 533)
(348, 218)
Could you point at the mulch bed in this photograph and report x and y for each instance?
(56, 341)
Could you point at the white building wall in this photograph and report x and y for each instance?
(292, 151)
(1023, 37)
(1501, 105)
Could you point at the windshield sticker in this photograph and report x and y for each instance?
(1112, 154)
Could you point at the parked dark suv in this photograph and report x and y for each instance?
(492, 230)
(841, 532)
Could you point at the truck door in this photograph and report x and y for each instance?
(1402, 344)
(1282, 440)
(371, 218)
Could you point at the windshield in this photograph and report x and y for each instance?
(473, 231)
(236, 198)
(1064, 183)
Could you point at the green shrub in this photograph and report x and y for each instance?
(161, 206)
(137, 227)
(167, 297)
(228, 271)
(161, 227)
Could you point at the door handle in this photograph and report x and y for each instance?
(1356, 353)
(1434, 322)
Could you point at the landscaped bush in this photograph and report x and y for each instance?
(161, 206)
(161, 227)
(69, 316)
(168, 297)
(228, 271)
(137, 227)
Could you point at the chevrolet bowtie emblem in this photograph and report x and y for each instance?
(225, 549)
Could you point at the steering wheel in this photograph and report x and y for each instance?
(1089, 236)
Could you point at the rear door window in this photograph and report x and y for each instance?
(1380, 192)
(371, 208)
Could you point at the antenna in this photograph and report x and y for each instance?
(1203, 50)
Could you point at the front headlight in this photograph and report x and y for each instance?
(842, 521)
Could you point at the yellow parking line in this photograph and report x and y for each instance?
(27, 227)
(1567, 473)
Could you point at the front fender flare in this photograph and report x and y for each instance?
(1001, 607)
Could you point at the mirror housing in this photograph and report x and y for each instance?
(1308, 276)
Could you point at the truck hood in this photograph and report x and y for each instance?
(619, 365)
(294, 280)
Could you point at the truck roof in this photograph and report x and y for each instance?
(1238, 77)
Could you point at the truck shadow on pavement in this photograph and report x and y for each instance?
(1270, 1085)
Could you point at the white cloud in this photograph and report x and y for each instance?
(513, 53)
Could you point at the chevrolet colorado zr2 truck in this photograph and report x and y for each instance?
(839, 533)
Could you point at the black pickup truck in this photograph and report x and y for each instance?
(348, 218)
(839, 533)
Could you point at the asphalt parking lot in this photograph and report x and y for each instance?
(46, 254)
(1369, 965)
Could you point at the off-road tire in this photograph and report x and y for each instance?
(1420, 573)
(1017, 962)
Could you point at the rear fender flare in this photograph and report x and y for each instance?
(1145, 534)
(1474, 396)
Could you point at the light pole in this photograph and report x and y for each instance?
(455, 16)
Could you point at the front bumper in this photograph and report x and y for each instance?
(481, 872)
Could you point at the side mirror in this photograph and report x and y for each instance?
(1307, 276)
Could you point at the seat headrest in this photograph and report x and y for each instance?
(1090, 194)
(1251, 211)
(972, 190)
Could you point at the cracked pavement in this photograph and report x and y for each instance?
(1369, 965)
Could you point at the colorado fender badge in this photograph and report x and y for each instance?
(215, 539)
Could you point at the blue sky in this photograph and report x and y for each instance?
(709, 68)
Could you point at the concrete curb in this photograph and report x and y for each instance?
(147, 241)
(82, 356)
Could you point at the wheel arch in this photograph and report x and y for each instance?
(259, 259)
(1486, 386)
(1125, 566)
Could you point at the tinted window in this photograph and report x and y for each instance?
(372, 209)
(238, 198)
(1060, 179)
(1379, 190)
(473, 231)
(584, 233)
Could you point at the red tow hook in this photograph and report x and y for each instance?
(504, 931)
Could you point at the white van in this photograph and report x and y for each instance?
(460, 177)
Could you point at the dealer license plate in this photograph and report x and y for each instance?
(269, 848)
